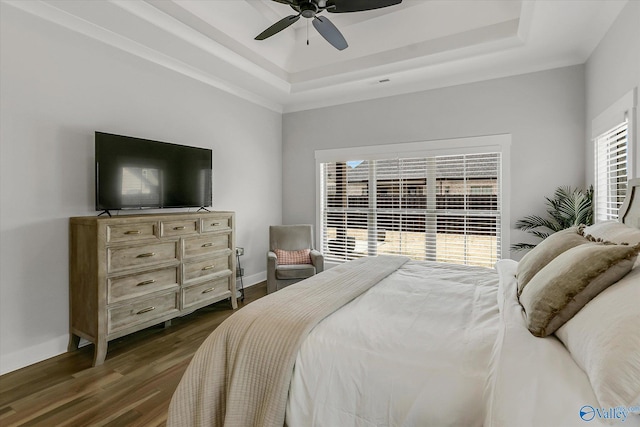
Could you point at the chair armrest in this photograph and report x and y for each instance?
(317, 259)
(272, 259)
(272, 263)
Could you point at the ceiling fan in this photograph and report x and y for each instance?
(312, 8)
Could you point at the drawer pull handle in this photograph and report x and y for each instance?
(206, 245)
(206, 291)
(146, 310)
(215, 224)
(146, 282)
(147, 255)
(182, 227)
(208, 267)
(133, 232)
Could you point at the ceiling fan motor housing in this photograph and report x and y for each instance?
(308, 9)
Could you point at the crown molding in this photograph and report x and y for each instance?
(53, 14)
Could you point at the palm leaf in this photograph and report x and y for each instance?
(540, 234)
(534, 221)
(567, 208)
(522, 246)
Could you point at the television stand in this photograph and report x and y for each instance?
(106, 211)
(202, 208)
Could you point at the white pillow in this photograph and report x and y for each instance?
(604, 340)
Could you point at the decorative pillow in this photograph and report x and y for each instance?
(571, 280)
(293, 257)
(614, 231)
(546, 251)
(604, 340)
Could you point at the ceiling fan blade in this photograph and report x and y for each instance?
(330, 32)
(277, 27)
(344, 6)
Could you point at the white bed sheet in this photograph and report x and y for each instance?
(412, 351)
(534, 381)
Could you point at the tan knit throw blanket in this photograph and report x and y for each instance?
(240, 375)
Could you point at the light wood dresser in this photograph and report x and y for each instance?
(129, 272)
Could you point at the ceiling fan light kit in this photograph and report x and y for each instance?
(311, 8)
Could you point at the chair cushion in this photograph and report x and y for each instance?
(295, 271)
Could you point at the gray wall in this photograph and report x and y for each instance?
(544, 112)
(57, 88)
(613, 69)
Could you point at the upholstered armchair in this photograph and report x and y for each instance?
(291, 256)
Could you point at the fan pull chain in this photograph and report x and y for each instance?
(307, 32)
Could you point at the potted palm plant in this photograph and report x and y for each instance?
(567, 208)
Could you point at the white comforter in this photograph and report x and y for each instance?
(437, 345)
(412, 351)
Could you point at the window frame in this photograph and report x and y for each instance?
(616, 114)
(500, 143)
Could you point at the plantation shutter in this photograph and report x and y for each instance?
(439, 208)
(611, 172)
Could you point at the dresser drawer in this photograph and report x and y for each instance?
(203, 245)
(206, 267)
(138, 256)
(178, 228)
(214, 224)
(212, 290)
(130, 232)
(141, 311)
(136, 285)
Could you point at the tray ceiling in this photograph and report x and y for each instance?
(416, 45)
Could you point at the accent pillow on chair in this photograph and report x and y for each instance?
(302, 256)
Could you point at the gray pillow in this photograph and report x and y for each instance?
(546, 251)
(570, 281)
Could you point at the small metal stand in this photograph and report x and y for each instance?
(240, 273)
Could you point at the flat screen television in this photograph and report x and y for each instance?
(135, 173)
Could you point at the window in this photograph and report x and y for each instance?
(611, 171)
(437, 207)
(615, 155)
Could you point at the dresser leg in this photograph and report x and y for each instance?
(74, 341)
(100, 352)
(167, 323)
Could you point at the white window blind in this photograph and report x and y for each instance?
(611, 168)
(440, 208)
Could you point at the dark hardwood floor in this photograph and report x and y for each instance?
(132, 388)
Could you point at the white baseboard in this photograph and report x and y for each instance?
(56, 346)
(34, 354)
(254, 279)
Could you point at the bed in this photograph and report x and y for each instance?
(389, 341)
